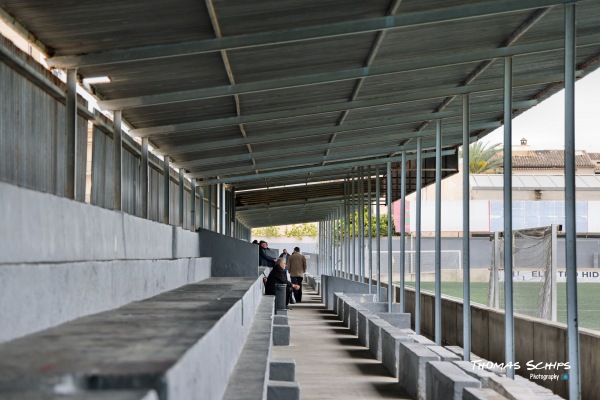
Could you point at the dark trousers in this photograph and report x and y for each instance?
(297, 293)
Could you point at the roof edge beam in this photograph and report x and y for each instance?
(301, 34)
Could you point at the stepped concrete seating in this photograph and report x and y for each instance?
(446, 381)
(376, 324)
(412, 371)
(481, 394)
(390, 347)
(183, 344)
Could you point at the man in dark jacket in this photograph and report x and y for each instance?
(264, 258)
(279, 276)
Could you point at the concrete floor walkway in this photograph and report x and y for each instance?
(330, 361)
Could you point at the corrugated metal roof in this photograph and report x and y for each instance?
(267, 93)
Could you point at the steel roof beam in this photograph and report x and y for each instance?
(335, 107)
(302, 134)
(315, 201)
(300, 34)
(330, 167)
(342, 75)
(372, 139)
(299, 161)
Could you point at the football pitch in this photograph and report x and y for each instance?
(526, 297)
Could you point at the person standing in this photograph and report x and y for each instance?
(297, 266)
(285, 255)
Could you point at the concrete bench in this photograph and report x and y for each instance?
(446, 381)
(444, 354)
(251, 373)
(181, 343)
(375, 327)
(478, 373)
(481, 394)
(412, 372)
(363, 327)
(390, 348)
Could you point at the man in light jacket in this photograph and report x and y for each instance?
(296, 264)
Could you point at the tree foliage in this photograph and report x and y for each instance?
(296, 230)
(267, 231)
(484, 159)
(383, 226)
(302, 230)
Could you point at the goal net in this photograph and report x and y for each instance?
(534, 272)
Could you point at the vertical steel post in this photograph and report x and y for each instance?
(553, 273)
(193, 216)
(71, 135)
(466, 232)
(378, 230)
(201, 207)
(166, 190)
(402, 231)
(570, 220)
(438, 233)
(418, 238)
(353, 227)
(361, 225)
(233, 217)
(223, 194)
(210, 207)
(347, 262)
(181, 197)
(144, 172)
(118, 157)
(370, 229)
(508, 245)
(389, 236)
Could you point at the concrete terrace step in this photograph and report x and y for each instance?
(172, 343)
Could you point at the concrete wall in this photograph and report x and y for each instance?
(40, 227)
(38, 296)
(333, 284)
(230, 256)
(61, 259)
(535, 339)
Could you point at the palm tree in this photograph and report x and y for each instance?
(483, 159)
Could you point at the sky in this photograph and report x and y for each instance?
(543, 125)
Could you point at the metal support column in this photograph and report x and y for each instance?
(570, 220)
(233, 212)
(193, 216)
(378, 230)
(361, 225)
(402, 231)
(210, 207)
(223, 193)
(181, 197)
(347, 232)
(466, 231)
(438, 233)
(508, 244)
(144, 172)
(418, 238)
(166, 190)
(118, 157)
(353, 223)
(201, 207)
(71, 135)
(390, 290)
(370, 229)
